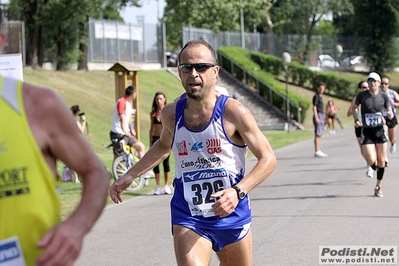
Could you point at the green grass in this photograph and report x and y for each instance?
(70, 197)
(94, 92)
(279, 139)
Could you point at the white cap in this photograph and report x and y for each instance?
(374, 76)
(221, 90)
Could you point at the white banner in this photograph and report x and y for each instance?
(11, 66)
(117, 31)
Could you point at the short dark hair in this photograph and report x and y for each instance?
(321, 84)
(75, 109)
(359, 85)
(130, 90)
(201, 42)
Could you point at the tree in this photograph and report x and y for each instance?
(376, 23)
(303, 16)
(215, 15)
(31, 12)
(61, 21)
(257, 17)
(55, 28)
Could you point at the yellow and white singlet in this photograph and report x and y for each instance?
(29, 204)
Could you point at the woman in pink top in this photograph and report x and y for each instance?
(331, 115)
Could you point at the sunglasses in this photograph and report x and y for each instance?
(364, 87)
(187, 68)
(385, 83)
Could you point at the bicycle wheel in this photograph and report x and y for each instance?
(120, 166)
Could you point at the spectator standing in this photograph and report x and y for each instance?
(331, 115)
(67, 173)
(158, 104)
(209, 135)
(80, 117)
(318, 119)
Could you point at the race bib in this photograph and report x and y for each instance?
(200, 185)
(373, 119)
(11, 253)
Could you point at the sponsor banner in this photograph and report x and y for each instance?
(11, 66)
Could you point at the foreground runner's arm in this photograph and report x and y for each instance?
(58, 138)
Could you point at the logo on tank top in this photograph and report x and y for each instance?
(213, 146)
(14, 182)
(204, 174)
(197, 147)
(181, 148)
(10, 252)
(202, 163)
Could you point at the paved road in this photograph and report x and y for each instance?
(307, 202)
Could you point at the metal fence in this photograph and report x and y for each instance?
(259, 87)
(276, 44)
(109, 41)
(112, 41)
(15, 38)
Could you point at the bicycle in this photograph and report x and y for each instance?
(126, 159)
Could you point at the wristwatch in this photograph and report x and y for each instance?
(240, 193)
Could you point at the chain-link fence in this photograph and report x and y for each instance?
(113, 41)
(276, 44)
(109, 41)
(15, 38)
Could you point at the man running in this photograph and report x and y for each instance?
(209, 135)
(361, 86)
(374, 141)
(391, 123)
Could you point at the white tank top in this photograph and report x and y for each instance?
(206, 160)
(116, 122)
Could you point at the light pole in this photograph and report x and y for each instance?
(141, 21)
(339, 50)
(103, 5)
(242, 24)
(286, 60)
